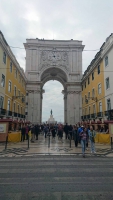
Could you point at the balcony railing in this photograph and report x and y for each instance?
(15, 114)
(88, 116)
(85, 116)
(2, 111)
(9, 113)
(93, 115)
(106, 113)
(100, 114)
(82, 117)
(18, 115)
(109, 114)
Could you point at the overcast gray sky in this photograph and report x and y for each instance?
(88, 20)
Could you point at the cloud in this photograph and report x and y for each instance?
(89, 21)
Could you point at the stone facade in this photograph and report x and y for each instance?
(59, 60)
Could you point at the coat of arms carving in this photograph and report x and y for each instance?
(53, 58)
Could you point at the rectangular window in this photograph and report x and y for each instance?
(14, 107)
(100, 106)
(89, 110)
(11, 66)
(14, 90)
(18, 109)
(4, 57)
(107, 83)
(108, 104)
(85, 111)
(88, 80)
(88, 96)
(19, 94)
(8, 105)
(1, 102)
(98, 69)
(19, 79)
(93, 93)
(15, 73)
(94, 110)
(3, 81)
(99, 88)
(9, 86)
(93, 76)
(106, 61)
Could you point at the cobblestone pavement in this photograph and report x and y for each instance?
(56, 177)
(57, 147)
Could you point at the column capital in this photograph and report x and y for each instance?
(33, 91)
(73, 92)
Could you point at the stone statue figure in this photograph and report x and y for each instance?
(51, 112)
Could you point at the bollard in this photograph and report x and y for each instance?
(111, 143)
(6, 142)
(28, 141)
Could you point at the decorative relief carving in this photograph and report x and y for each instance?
(33, 91)
(70, 92)
(53, 58)
(73, 92)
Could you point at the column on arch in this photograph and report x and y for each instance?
(65, 108)
(73, 107)
(37, 107)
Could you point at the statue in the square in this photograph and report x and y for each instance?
(51, 112)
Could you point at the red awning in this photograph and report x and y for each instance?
(5, 120)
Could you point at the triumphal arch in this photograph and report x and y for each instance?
(59, 60)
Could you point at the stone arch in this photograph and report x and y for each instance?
(54, 73)
(59, 60)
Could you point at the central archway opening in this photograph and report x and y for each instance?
(53, 99)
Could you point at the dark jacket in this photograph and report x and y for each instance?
(23, 130)
(70, 128)
(66, 128)
(75, 135)
(33, 129)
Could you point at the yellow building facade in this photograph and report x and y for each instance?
(93, 90)
(15, 84)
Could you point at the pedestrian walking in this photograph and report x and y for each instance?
(83, 141)
(32, 133)
(75, 136)
(79, 131)
(53, 131)
(46, 130)
(37, 131)
(23, 131)
(60, 131)
(66, 128)
(87, 138)
(70, 129)
(26, 132)
(92, 135)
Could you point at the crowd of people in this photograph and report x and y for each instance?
(79, 133)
